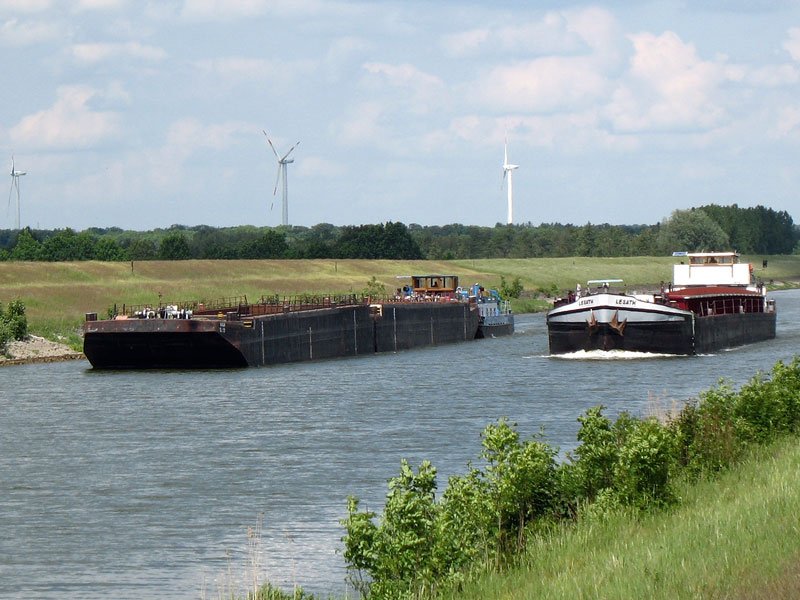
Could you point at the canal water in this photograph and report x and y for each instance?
(171, 484)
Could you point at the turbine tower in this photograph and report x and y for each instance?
(508, 170)
(282, 178)
(15, 175)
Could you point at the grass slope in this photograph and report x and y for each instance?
(57, 295)
(736, 537)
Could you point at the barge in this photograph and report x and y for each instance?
(713, 303)
(238, 333)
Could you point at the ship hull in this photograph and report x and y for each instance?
(716, 332)
(276, 338)
(617, 322)
(496, 326)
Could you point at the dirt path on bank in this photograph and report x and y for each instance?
(36, 349)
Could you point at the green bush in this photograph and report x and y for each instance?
(485, 517)
(419, 543)
(645, 465)
(512, 290)
(13, 323)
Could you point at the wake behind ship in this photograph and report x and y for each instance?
(237, 333)
(712, 303)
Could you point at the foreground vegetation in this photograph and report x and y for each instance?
(518, 509)
(702, 503)
(731, 537)
(13, 323)
(57, 295)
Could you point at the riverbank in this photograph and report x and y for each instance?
(58, 295)
(35, 349)
(727, 539)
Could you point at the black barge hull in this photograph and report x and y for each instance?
(241, 341)
(697, 335)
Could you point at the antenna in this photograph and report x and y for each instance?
(508, 170)
(282, 177)
(15, 175)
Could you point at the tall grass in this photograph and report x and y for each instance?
(57, 295)
(735, 537)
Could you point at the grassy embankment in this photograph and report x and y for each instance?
(57, 295)
(737, 537)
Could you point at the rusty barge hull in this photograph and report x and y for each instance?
(246, 340)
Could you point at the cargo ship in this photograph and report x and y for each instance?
(713, 303)
(237, 333)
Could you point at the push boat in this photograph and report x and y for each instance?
(713, 303)
(496, 318)
(236, 333)
(495, 315)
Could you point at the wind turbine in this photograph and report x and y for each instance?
(508, 169)
(282, 177)
(15, 175)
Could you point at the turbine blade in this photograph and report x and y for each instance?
(277, 180)
(290, 151)
(271, 146)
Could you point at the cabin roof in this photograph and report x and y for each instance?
(709, 291)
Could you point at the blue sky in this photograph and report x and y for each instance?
(146, 114)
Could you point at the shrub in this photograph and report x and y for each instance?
(398, 553)
(631, 458)
(642, 473)
(419, 543)
(13, 323)
(521, 480)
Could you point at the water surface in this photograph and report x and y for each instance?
(144, 484)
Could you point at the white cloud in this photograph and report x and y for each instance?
(667, 86)
(792, 45)
(787, 123)
(241, 69)
(22, 33)
(190, 133)
(425, 91)
(24, 6)
(240, 9)
(69, 123)
(466, 43)
(583, 31)
(98, 52)
(362, 126)
(551, 84)
(224, 9)
(101, 5)
(320, 166)
(772, 76)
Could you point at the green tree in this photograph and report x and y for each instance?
(271, 244)
(27, 247)
(693, 231)
(107, 249)
(68, 245)
(174, 247)
(142, 249)
(389, 241)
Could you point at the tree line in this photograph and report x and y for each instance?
(754, 230)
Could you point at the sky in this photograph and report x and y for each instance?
(141, 115)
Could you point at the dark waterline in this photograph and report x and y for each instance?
(144, 484)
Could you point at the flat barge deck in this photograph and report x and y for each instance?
(237, 333)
